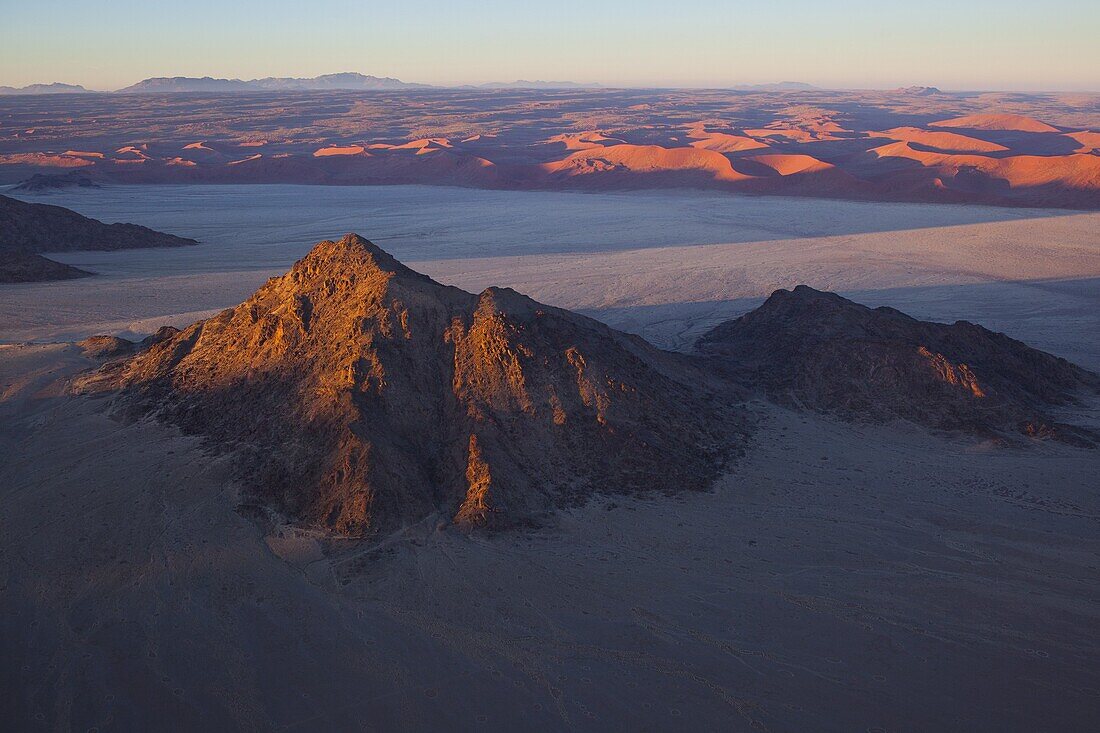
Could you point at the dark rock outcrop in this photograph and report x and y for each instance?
(45, 228)
(820, 351)
(29, 229)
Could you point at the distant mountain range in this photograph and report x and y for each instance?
(55, 88)
(919, 91)
(347, 80)
(350, 81)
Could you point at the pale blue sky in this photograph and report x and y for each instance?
(959, 44)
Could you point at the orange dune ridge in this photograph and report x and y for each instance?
(257, 156)
(1019, 171)
(45, 160)
(181, 161)
(1090, 141)
(721, 142)
(1018, 123)
(444, 166)
(201, 145)
(646, 159)
(583, 140)
(134, 150)
(791, 164)
(339, 150)
(945, 141)
(423, 145)
(82, 154)
(252, 144)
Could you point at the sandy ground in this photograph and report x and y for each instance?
(841, 578)
(667, 265)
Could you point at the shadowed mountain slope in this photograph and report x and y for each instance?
(28, 229)
(25, 267)
(824, 352)
(44, 228)
(359, 395)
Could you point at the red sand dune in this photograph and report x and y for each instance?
(252, 143)
(583, 140)
(426, 144)
(945, 141)
(1090, 141)
(1074, 171)
(46, 160)
(82, 154)
(646, 159)
(791, 164)
(339, 150)
(721, 142)
(1018, 123)
(134, 150)
(201, 145)
(257, 156)
(181, 161)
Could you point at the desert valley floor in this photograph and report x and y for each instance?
(664, 264)
(840, 577)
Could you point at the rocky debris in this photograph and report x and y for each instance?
(110, 347)
(106, 347)
(358, 395)
(25, 267)
(820, 351)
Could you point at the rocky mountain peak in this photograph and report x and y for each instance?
(358, 395)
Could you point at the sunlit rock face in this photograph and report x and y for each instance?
(820, 351)
(358, 395)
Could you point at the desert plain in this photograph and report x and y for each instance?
(869, 576)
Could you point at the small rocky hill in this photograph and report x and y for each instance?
(820, 351)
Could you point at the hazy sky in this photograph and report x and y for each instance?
(953, 44)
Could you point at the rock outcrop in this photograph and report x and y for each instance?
(820, 351)
(358, 395)
(109, 347)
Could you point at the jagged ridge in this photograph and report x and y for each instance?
(824, 352)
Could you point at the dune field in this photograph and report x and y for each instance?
(922, 144)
